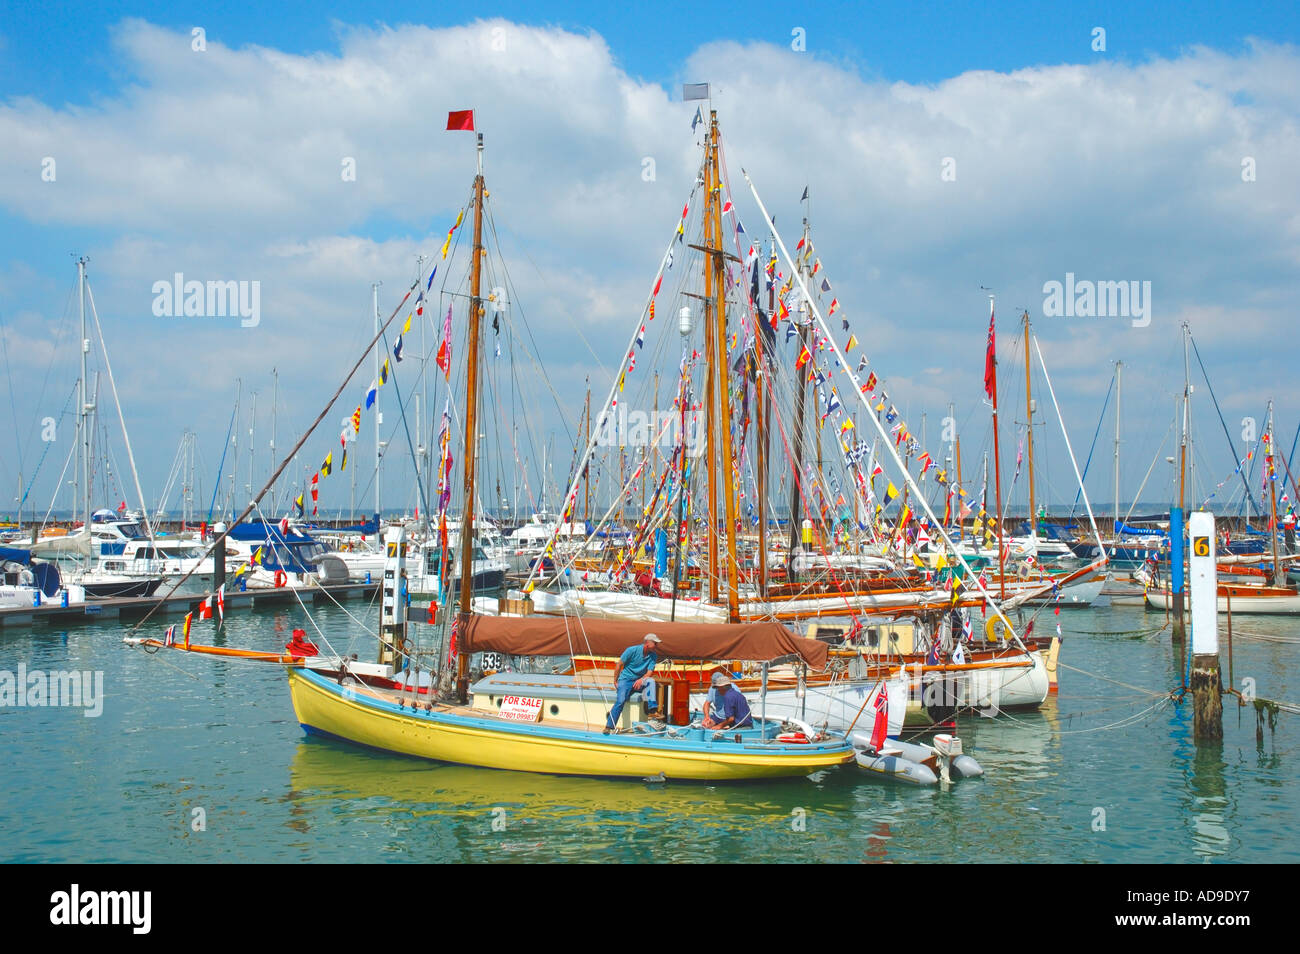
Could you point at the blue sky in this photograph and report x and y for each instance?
(1115, 164)
(57, 52)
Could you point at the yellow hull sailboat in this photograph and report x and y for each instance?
(468, 736)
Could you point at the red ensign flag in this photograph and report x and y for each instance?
(990, 362)
(461, 119)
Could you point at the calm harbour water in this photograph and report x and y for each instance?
(179, 733)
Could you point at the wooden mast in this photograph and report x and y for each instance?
(1029, 440)
(997, 473)
(471, 427)
(711, 375)
(760, 443)
(723, 377)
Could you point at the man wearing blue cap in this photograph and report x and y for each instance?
(632, 674)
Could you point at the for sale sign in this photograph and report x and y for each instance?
(521, 709)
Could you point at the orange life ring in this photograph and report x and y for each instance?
(281, 578)
(792, 737)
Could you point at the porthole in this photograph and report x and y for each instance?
(555, 710)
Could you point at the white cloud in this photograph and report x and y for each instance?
(225, 164)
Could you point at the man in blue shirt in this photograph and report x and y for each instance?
(632, 674)
(726, 707)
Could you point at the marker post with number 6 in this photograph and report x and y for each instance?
(1206, 685)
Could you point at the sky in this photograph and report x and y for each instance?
(947, 150)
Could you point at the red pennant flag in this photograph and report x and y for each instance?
(880, 727)
(461, 120)
(443, 360)
(657, 284)
(990, 362)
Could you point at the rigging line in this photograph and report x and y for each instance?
(72, 450)
(535, 354)
(843, 365)
(46, 450)
(361, 624)
(1073, 462)
(292, 453)
(1231, 449)
(13, 405)
(1142, 486)
(401, 405)
(221, 465)
(627, 352)
(1095, 434)
(49, 368)
(121, 419)
(1118, 724)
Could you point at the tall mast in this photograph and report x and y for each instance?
(724, 389)
(710, 374)
(374, 294)
(234, 439)
(1119, 375)
(423, 447)
(953, 453)
(471, 423)
(85, 405)
(275, 401)
(800, 380)
(1029, 439)
(997, 473)
(760, 443)
(1279, 575)
(252, 446)
(1187, 392)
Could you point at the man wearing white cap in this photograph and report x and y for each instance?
(726, 706)
(632, 674)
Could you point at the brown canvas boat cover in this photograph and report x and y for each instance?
(569, 636)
